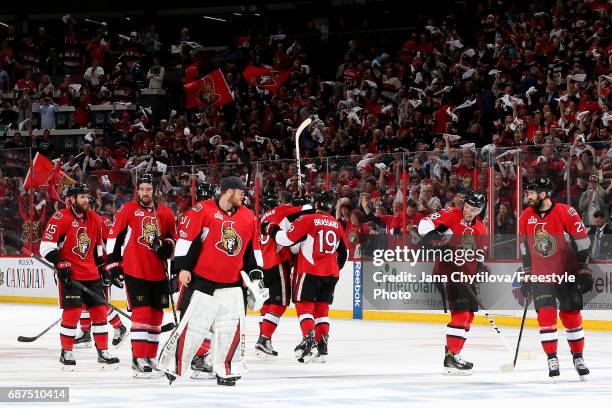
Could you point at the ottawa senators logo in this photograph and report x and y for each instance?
(544, 243)
(83, 243)
(467, 239)
(208, 93)
(353, 237)
(150, 233)
(230, 243)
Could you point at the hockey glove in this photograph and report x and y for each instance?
(270, 229)
(584, 279)
(115, 271)
(107, 279)
(522, 290)
(63, 271)
(257, 294)
(166, 249)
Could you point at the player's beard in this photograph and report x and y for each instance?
(146, 201)
(80, 209)
(535, 204)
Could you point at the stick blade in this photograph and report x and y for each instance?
(506, 368)
(303, 126)
(24, 339)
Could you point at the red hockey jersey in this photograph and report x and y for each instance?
(274, 254)
(107, 225)
(321, 237)
(545, 244)
(76, 239)
(462, 235)
(216, 245)
(132, 236)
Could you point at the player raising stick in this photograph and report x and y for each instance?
(277, 270)
(322, 254)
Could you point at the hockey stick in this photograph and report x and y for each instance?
(510, 366)
(527, 355)
(298, 133)
(167, 270)
(26, 339)
(166, 327)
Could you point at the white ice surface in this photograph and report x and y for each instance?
(370, 363)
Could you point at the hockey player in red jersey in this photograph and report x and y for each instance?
(200, 365)
(322, 254)
(141, 240)
(554, 241)
(72, 241)
(277, 270)
(83, 339)
(454, 229)
(217, 241)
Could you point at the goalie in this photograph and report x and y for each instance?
(216, 243)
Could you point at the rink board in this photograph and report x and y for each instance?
(26, 280)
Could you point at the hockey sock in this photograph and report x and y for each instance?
(547, 319)
(271, 319)
(262, 314)
(154, 330)
(205, 346)
(85, 321)
(455, 330)
(113, 318)
(572, 320)
(139, 332)
(70, 317)
(468, 325)
(321, 312)
(98, 326)
(305, 312)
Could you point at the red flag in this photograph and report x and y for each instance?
(267, 78)
(211, 89)
(44, 175)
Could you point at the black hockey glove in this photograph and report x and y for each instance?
(115, 270)
(63, 271)
(584, 279)
(166, 249)
(270, 229)
(107, 279)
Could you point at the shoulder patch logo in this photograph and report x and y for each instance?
(197, 207)
(57, 215)
(571, 211)
(218, 215)
(83, 243)
(230, 241)
(532, 220)
(139, 213)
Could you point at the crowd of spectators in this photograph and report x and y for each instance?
(525, 92)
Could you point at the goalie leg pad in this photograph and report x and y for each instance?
(178, 351)
(229, 338)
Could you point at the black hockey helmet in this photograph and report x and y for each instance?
(93, 203)
(269, 203)
(475, 199)
(204, 191)
(300, 201)
(541, 184)
(145, 178)
(325, 200)
(78, 188)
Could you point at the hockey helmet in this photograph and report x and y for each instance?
(541, 184)
(475, 199)
(78, 188)
(204, 191)
(269, 203)
(145, 178)
(326, 200)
